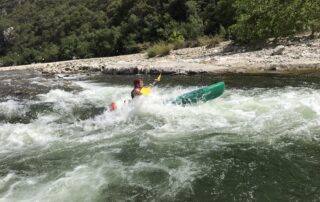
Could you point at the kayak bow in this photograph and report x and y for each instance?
(201, 95)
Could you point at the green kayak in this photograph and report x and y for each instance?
(201, 95)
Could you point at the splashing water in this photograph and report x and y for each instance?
(256, 144)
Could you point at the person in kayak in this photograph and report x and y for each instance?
(138, 85)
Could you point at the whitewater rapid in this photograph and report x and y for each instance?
(68, 146)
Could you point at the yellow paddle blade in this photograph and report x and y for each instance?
(145, 91)
(159, 78)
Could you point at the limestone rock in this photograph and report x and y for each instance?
(278, 50)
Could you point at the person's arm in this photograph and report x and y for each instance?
(154, 83)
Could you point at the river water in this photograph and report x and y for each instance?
(258, 142)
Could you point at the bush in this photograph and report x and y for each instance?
(151, 52)
(177, 40)
(311, 11)
(142, 47)
(191, 43)
(178, 45)
(210, 41)
(260, 20)
(160, 49)
(11, 59)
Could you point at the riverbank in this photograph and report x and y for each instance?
(299, 54)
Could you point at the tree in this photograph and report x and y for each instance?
(259, 20)
(311, 12)
(59, 30)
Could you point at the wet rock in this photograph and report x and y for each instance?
(278, 50)
(192, 73)
(181, 72)
(18, 92)
(28, 84)
(83, 68)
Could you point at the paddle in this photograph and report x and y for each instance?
(147, 90)
(159, 78)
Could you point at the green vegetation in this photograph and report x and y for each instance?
(159, 49)
(210, 41)
(259, 20)
(44, 31)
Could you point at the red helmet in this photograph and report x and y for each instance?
(136, 82)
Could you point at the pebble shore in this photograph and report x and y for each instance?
(302, 54)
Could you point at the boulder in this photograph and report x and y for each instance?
(278, 50)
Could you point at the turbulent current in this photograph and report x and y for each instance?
(60, 142)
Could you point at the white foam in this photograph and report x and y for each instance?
(12, 108)
(265, 115)
(15, 137)
(250, 113)
(80, 184)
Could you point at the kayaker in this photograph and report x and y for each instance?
(138, 85)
